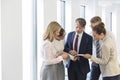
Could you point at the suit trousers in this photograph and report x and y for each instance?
(75, 73)
(95, 72)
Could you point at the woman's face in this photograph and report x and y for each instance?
(62, 37)
(56, 34)
(98, 36)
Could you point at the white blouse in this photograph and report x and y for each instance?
(51, 51)
(59, 46)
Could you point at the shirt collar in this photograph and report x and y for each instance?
(79, 34)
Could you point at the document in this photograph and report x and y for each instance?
(80, 54)
(71, 57)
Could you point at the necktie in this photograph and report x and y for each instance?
(97, 48)
(76, 43)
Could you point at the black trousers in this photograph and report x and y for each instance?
(95, 72)
(75, 73)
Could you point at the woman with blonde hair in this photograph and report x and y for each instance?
(52, 56)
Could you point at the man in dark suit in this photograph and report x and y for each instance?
(79, 66)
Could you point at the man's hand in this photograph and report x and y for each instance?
(73, 52)
(76, 58)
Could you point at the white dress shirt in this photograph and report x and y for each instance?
(79, 40)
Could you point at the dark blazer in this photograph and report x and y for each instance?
(81, 65)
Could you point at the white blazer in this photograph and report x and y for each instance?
(108, 61)
(49, 52)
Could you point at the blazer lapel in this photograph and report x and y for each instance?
(82, 41)
(72, 38)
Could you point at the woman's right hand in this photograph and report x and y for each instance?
(88, 56)
(64, 55)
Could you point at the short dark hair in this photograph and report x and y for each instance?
(95, 19)
(81, 21)
(100, 28)
(62, 32)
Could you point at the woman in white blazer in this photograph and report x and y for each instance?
(52, 54)
(108, 57)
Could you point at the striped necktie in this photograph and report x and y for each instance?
(97, 48)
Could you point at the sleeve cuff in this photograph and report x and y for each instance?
(92, 58)
(60, 58)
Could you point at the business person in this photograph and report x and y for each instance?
(78, 42)
(59, 46)
(95, 69)
(51, 55)
(108, 56)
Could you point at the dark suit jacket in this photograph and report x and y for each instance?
(82, 65)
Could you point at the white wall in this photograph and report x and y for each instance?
(118, 28)
(40, 30)
(90, 12)
(11, 39)
(0, 45)
(68, 16)
(50, 11)
(18, 40)
(106, 10)
(92, 9)
(29, 40)
(75, 11)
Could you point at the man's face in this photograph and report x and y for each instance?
(79, 29)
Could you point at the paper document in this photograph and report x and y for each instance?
(71, 57)
(80, 54)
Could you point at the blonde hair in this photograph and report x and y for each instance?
(51, 28)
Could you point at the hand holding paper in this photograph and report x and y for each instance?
(74, 58)
(80, 54)
(87, 56)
